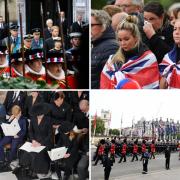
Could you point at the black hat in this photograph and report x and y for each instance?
(66, 127)
(113, 141)
(75, 35)
(3, 50)
(36, 30)
(55, 57)
(16, 57)
(102, 141)
(28, 36)
(14, 27)
(39, 109)
(34, 54)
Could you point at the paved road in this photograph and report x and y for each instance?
(132, 170)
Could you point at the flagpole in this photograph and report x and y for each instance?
(94, 133)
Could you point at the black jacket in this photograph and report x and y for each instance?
(162, 42)
(28, 104)
(49, 44)
(60, 114)
(42, 133)
(47, 33)
(103, 47)
(9, 102)
(76, 27)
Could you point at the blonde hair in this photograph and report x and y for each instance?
(16, 110)
(129, 24)
(112, 9)
(55, 27)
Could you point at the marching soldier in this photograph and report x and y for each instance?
(4, 66)
(123, 151)
(34, 67)
(100, 152)
(112, 150)
(108, 162)
(145, 161)
(153, 150)
(37, 42)
(135, 151)
(143, 149)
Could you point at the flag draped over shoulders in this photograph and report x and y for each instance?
(170, 70)
(143, 69)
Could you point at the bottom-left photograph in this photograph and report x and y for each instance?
(44, 135)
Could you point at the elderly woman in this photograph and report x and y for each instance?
(15, 140)
(158, 30)
(170, 65)
(133, 60)
(103, 42)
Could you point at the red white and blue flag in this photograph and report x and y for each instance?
(144, 70)
(170, 70)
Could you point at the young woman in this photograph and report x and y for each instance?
(133, 60)
(13, 140)
(170, 66)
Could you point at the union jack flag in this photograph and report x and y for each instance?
(143, 69)
(170, 70)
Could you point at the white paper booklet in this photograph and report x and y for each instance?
(11, 129)
(57, 153)
(27, 146)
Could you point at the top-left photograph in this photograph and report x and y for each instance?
(44, 44)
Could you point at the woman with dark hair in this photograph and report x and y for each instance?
(158, 30)
(40, 133)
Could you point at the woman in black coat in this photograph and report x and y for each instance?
(158, 30)
(40, 134)
(67, 139)
(31, 100)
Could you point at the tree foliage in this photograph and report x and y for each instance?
(100, 127)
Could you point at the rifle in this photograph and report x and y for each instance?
(44, 50)
(9, 43)
(22, 41)
(63, 48)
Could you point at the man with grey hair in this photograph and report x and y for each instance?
(104, 44)
(47, 31)
(130, 6)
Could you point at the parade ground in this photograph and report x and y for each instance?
(133, 170)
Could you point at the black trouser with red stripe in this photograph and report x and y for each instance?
(134, 156)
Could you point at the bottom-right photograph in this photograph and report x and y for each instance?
(135, 135)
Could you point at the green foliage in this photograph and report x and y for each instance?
(99, 126)
(114, 132)
(23, 83)
(98, 4)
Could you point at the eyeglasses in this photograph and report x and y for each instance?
(96, 24)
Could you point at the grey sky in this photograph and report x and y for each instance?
(136, 103)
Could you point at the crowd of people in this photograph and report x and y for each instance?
(50, 119)
(109, 150)
(135, 46)
(52, 54)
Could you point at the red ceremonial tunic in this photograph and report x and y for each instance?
(124, 148)
(5, 72)
(101, 150)
(135, 148)
(112, 150)
(143, 147)
(152, 146)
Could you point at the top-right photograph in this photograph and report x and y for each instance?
(135, 44)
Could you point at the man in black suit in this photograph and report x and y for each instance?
(47, 31)
(77, 26)
(14, 98)
(49, 43)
